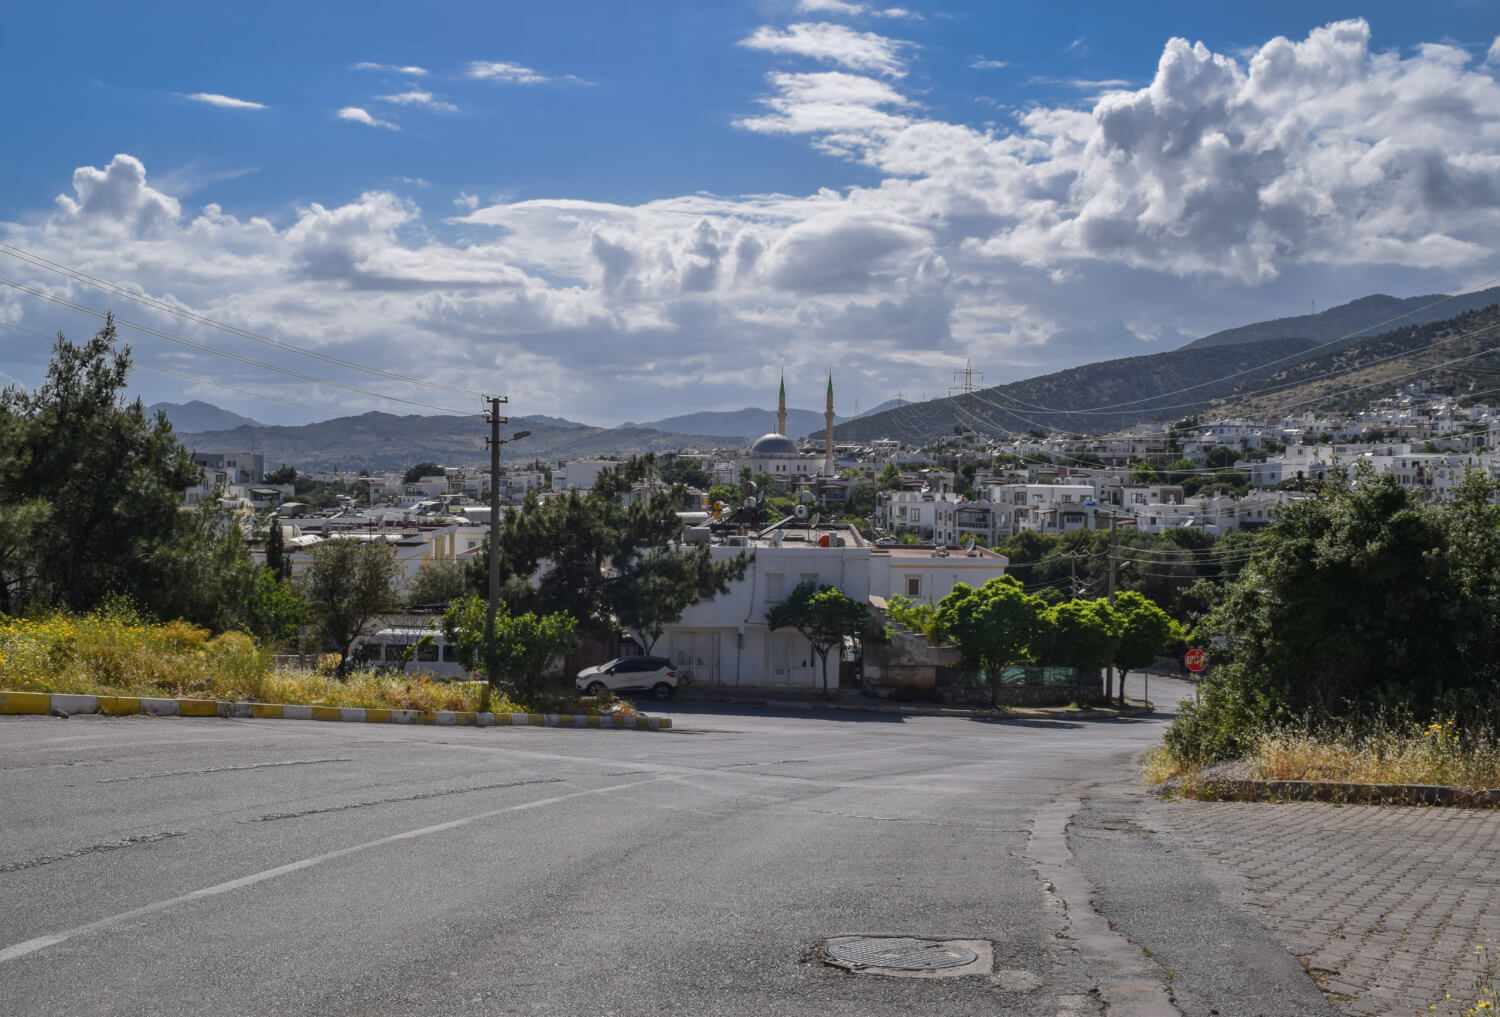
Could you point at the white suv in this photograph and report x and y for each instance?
(630, 674)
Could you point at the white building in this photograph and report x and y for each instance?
(581, 474)
(726, 640)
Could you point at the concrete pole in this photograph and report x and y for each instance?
(1109, 681)
(492, 604)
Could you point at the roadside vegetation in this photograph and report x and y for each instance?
(1356, 645)
(113, 651)
(999, 626)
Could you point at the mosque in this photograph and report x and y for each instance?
(777, 454)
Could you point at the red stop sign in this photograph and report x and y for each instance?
(1196, 660)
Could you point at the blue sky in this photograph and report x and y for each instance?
(626, 211)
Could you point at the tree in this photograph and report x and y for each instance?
(687, 472)
(1363, 598)
(992, 626)
(525, 644)
(20, 525)
(284, 475)
(204, 573)
(589, 555)
(1079, 634)
(824, 616)
(889, 477)
(421, 470)
(438, 581)
(651, 589)
(276, 559)
(1143, 630)
(348, 583)
(103, 482)
(274, 611)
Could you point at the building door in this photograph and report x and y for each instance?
(792, 662)
(696, 655)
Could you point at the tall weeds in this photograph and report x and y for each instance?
(115, 652)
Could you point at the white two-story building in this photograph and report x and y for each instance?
(727, 641)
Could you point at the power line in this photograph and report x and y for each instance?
(186, 377)
(166, 308)
(202, 348)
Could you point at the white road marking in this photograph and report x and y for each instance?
(31, 946)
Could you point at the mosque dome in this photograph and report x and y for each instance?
(773, 445)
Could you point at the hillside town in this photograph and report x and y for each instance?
(885, 520)
(1227, 475)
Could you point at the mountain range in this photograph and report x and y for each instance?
(1220, 372)
(383, 441)
(1316, 361)
(201, 416)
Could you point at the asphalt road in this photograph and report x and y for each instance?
(207, 867)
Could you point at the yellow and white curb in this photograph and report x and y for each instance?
(47, 702)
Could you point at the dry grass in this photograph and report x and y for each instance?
(1160, 766)
(1440, 753)
(114, 653)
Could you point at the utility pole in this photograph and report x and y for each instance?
(1109, 681)
(492, 603)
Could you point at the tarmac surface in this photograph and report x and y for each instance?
(218, 866)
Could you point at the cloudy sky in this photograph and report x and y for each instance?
(614, 212)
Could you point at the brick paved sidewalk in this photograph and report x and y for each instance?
(1384, 905)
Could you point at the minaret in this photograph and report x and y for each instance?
(781, 407)
(828, 430)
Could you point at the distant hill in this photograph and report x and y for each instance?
(749, 423)
(1211, 374)
(1091, 399)
(386, 441)
(1367, 316)
(200, 416)
(1460, 355)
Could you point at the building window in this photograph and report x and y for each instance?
(775, 586)
(913, 586)
(808, 577)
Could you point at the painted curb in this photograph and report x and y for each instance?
(68, 704)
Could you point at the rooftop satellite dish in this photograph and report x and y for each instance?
(969, 543)
(812, 524)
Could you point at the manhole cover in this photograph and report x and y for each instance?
(899, 953)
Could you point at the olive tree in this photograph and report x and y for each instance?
(348, 583)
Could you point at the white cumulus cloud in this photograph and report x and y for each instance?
(223, 101)
(359, 115)
(830, 43)
(417, 97)
(515, 74)
(1229, 188)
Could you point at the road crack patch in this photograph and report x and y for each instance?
(1127, 980)
(218, 769)
(421, 796)
(113, 845)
